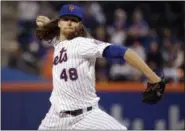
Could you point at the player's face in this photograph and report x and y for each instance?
(68, 24)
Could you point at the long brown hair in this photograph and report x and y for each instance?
(51, 30)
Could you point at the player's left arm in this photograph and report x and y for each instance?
(135, 60)
(91, 48)
(132, 58)
(156, 85)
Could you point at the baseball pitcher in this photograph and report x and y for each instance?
(74, 103)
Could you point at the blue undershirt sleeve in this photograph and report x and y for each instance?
(114, 51)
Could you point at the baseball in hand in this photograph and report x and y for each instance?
(40, 24)
(42, 20)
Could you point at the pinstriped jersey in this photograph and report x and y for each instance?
(74, 73)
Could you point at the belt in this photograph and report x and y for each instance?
(78, 112)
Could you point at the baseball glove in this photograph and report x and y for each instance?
(154, 92)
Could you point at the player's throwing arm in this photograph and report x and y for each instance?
(42, 20)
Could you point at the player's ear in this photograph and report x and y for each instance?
(58, 23)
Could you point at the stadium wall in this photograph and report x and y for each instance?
(24, 105)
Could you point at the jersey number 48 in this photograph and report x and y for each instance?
(69, 74)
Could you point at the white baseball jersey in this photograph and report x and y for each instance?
(74, 73)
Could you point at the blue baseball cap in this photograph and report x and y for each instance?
(71, 10)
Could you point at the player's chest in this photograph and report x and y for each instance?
(65, 54)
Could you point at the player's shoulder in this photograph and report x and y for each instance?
(83, 39)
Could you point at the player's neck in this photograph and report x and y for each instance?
(61, 37)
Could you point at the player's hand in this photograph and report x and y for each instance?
(154, 92)
(42, 20)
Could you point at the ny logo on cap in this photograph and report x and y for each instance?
(71, 8)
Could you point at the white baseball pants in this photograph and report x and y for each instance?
(93, 119)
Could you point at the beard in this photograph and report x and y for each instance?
(68, 33)
(71, 33)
